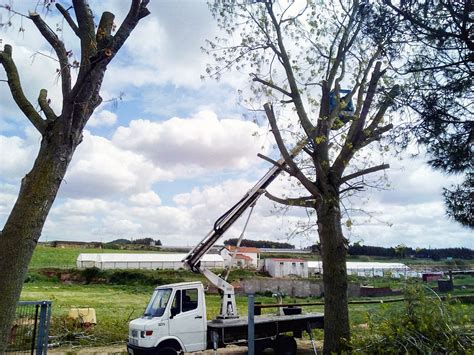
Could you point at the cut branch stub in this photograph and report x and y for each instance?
(45, 107)
(104, 30)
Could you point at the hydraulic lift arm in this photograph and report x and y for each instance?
(223, 223)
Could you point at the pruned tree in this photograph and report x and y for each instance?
(313, 60)
(61, 133)
(439, 69)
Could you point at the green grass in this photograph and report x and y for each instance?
(50, 257)
(116, 305)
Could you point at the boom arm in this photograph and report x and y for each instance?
(223, 223)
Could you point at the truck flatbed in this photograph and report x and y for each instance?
(234, 331)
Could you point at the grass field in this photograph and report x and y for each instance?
(46, 256)
(116, 305)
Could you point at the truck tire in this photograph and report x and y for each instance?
(167, 351)
(285, 345)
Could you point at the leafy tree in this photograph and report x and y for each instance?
(439, 62)
(146, 241)
(313, 60)
(259, 243)
(400, 251)
(61, 133)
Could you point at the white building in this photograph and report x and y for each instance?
(143, 261)
(368, 269)
(245, 257)
(286, 267)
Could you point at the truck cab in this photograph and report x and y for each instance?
(173, 321)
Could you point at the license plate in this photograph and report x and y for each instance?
(134, 333)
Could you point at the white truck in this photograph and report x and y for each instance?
(175, 319)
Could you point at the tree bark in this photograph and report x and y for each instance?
(23, 228)
(61, 135)
(333, 253)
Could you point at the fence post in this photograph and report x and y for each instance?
(42, 344)
(35, 326)
(251, 325)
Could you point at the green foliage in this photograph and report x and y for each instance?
(140, 277)
(32, 277)
(259, 243)
(424, 325)
(113, 246)
(91, 273)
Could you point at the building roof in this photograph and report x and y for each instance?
(243, 257)
(243, 249)
(362, 265)
(290, 260)
(149, 257)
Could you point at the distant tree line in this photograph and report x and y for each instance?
(259, 244)
(407, 252)
(139, 241)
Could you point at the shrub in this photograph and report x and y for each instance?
(423, 325)
(112, 246)
(91, 273)
(140, 277)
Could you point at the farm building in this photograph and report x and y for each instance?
(245, 257)
(144, 261)
(368, 269)
(286, 267)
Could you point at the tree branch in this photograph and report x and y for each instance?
(285, 60)
(137, 11)
(271, 85)
(388, 101)
(308, 201)
(270, 160)
(369, 98)
(86, 30)
(365, 172)
(17, 92)
(68, 18)
(44, 104)
(375, 135)
(58, 47)
(293, 168)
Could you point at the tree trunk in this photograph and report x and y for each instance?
(23, 228)
(333, 252)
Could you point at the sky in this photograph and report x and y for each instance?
(175, 152)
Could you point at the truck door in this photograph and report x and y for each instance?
(187, 321)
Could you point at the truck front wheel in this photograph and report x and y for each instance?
(285, 345)
(167, 351)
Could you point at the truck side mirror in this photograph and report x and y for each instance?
(174, 311)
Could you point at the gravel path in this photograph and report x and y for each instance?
(304, 347)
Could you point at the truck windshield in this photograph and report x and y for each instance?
(158, 303)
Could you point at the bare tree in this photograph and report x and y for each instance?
(61, 133)
(314, 61)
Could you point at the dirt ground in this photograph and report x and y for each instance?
(304, 347)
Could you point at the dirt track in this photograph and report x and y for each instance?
(304, 347)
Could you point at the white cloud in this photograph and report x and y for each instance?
(149, 198)
(101, 169)
(190, 145)
(102, 118)
(16, 157)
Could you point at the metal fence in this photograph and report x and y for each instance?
(29, 333)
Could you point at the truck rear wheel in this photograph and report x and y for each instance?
(285, 345)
